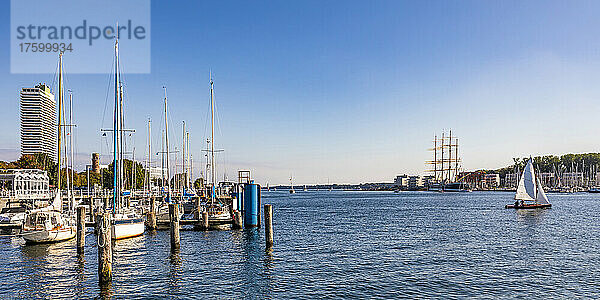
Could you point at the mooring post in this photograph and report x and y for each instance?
(80, 229)
(269, 225)
(174, 218)
(237, 220)
(104, 248)
(198, 214)
(151, 217)
(92, 210)
(205, 220)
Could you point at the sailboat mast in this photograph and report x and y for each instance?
(72, 183)
(60, 100)
(149, 153)
(162, 159)
(183, 157)
(122, 148)
(116, 162)
(133, 171)
(167, 148)
(189, 159)
(212, 139)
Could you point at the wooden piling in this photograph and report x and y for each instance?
(205, 220)
(237, 220)
(80, 229)
(269, 225)
(198, 210)
(174, 218)
(104, 248)
(151, 217)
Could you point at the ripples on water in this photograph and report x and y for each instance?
(341, 245)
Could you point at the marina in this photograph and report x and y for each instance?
(469, 258)
(299, 150)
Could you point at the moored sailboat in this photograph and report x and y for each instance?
(126, 221)
(218, 210)
(48, 224)
(530, 193)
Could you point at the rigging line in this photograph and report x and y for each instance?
(110, 74)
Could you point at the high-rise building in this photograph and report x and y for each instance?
(38, 121)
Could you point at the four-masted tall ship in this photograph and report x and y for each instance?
(446, 165)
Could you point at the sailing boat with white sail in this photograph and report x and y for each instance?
(530, 193)
(49, 224)
(126, 222)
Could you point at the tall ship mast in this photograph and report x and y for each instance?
(445, 171)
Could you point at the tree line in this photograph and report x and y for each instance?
(586, 163)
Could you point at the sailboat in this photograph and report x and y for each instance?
(163, 210)
(48, 224)
(217, 211)
(292, 191)
(530, 193)
(126, 221)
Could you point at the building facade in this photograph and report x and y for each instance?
(38, 121)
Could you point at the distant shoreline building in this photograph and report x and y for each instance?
(38, 121)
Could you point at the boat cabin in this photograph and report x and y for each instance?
(41, 220)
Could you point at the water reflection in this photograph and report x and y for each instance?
(531, 216)
(106, 290)
(80, 275)
(175, 271)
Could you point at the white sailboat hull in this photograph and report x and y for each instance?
(127, 228)
(49, 236)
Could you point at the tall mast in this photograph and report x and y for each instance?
(442, 147)
(60, 100)
(189, 160)
(149, 152)
(162, 159)
(133, 171)
(212, 138)
(167, 148)
(71, 145)
(450, 156)
(435, 173)
(456, 160)
(70, 183)
(183, 157)
(116, 162)
(122, 149)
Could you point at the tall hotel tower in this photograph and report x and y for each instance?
(38, 121)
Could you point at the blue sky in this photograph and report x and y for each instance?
(351, 91)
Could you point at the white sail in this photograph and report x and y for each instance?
(541, 196)
(526, 189)
(57, 203)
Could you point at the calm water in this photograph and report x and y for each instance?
(341, 245)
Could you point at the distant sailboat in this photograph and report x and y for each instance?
(530, 193)
(292, 191)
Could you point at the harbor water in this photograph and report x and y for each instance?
(341, 245)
